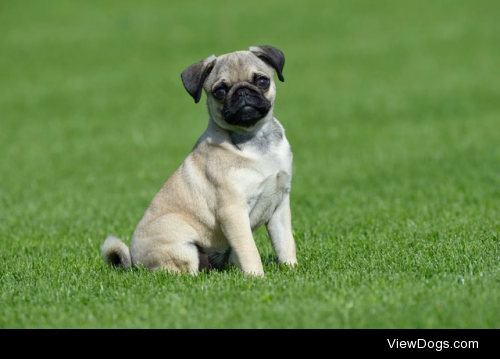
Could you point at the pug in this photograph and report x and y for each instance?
(236, 179)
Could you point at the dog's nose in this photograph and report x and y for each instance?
(243, 92)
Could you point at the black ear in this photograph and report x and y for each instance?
(195, 75)
(272, 56)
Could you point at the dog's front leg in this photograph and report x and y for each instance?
(280, 232)
(235, 225)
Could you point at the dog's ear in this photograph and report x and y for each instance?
(272, 56)
(195, 75)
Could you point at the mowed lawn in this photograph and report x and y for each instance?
(393, 112)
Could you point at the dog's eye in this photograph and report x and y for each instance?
(220, 93)
(263, 83)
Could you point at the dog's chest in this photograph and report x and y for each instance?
(269, 184)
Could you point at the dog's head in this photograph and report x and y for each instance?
(240, 86)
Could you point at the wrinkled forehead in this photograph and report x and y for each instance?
(239, 66)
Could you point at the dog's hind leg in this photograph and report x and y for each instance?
(167, 243)
(182, 259)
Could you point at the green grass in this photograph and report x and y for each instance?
(393, 112)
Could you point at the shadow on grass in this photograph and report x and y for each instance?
(268, 261)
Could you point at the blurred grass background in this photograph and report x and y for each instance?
(392, 109)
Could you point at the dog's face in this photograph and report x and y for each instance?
(240, 89)
(240, 86)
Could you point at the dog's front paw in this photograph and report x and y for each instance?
(292, 263)
(255, 274)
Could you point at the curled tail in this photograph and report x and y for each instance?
(116, 253)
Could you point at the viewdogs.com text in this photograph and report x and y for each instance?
(429, 344)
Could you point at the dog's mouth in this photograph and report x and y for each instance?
(245, 108)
